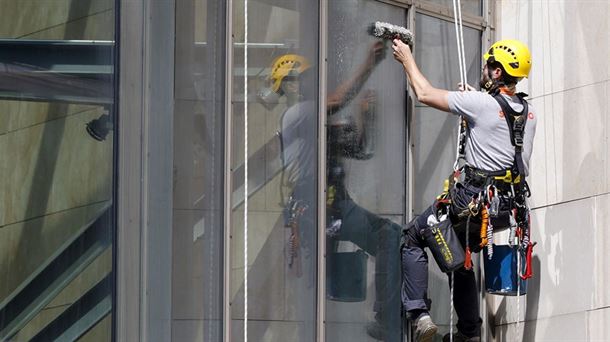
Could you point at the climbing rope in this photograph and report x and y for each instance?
(457, 13)
(459, 34)
(245, 170)
(518, 290)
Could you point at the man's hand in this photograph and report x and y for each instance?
(402, 51)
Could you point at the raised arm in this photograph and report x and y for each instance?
(425, 92)
(347, 90)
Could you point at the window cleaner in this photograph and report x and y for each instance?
(483, 191)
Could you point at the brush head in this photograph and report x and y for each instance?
(388, 31)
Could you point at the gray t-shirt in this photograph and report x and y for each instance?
(299, 140)
(488, 145)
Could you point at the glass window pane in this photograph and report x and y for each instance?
(56, 173)
(197, 274)
(434, 133)
(366, 174)
(472, 7)
(282, 93)
(58, 19)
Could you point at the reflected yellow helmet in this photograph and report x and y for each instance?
(287, 65)
(514, 56)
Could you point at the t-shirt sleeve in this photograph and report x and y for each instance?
(466, 103)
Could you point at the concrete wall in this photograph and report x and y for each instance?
(569, 296)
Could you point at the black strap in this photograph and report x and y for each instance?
(516, 125)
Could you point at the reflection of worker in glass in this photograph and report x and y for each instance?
(292, 77)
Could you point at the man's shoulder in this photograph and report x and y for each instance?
(469, 103)
(470, 96)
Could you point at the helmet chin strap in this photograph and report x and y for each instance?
(492, 86)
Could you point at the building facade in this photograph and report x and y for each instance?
(160, 184)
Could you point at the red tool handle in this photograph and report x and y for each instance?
(468, 259)
(528, 261)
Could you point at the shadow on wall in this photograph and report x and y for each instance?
(532, 301)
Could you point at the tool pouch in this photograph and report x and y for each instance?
(445, 246)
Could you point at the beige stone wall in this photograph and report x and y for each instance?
(569, 85)
(54, 178)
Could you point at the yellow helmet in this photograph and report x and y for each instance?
(514, 56)
(287, 65)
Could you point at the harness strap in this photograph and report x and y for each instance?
(516, 125)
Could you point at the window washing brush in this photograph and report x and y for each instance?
(388, 31)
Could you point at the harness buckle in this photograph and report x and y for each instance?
(508, 178)
(518, 128)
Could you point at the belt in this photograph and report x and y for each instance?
(481, 178)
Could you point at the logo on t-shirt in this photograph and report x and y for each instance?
(530, 115)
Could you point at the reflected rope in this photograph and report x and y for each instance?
(245, 170)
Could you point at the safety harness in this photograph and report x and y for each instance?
(516, 126)
(508, 185)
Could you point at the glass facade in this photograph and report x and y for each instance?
(385, 159)
(197, 234)
(469, 7)
(56, 178)
(366, 159)
(282, 102)
(434, 133)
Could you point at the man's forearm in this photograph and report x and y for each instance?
(419, 84)
(423, 90)
(347, 90)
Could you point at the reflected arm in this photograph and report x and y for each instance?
(347, 90)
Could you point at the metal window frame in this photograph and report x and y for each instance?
(322, 144)
(145, 157)
(228, 185)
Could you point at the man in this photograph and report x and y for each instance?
(489, 153)
(292, 78)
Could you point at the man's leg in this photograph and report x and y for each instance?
(466, 302)
(380, 238)
(466, 293)
(415, 279)
(414, 272)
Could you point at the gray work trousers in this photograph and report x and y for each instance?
(415, 273)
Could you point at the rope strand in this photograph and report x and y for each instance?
(457, 13)
(245, 170)
(451, 314)
(459, 35)
(518, 291)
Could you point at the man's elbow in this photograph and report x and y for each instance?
(435, 98)
(424, 97)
